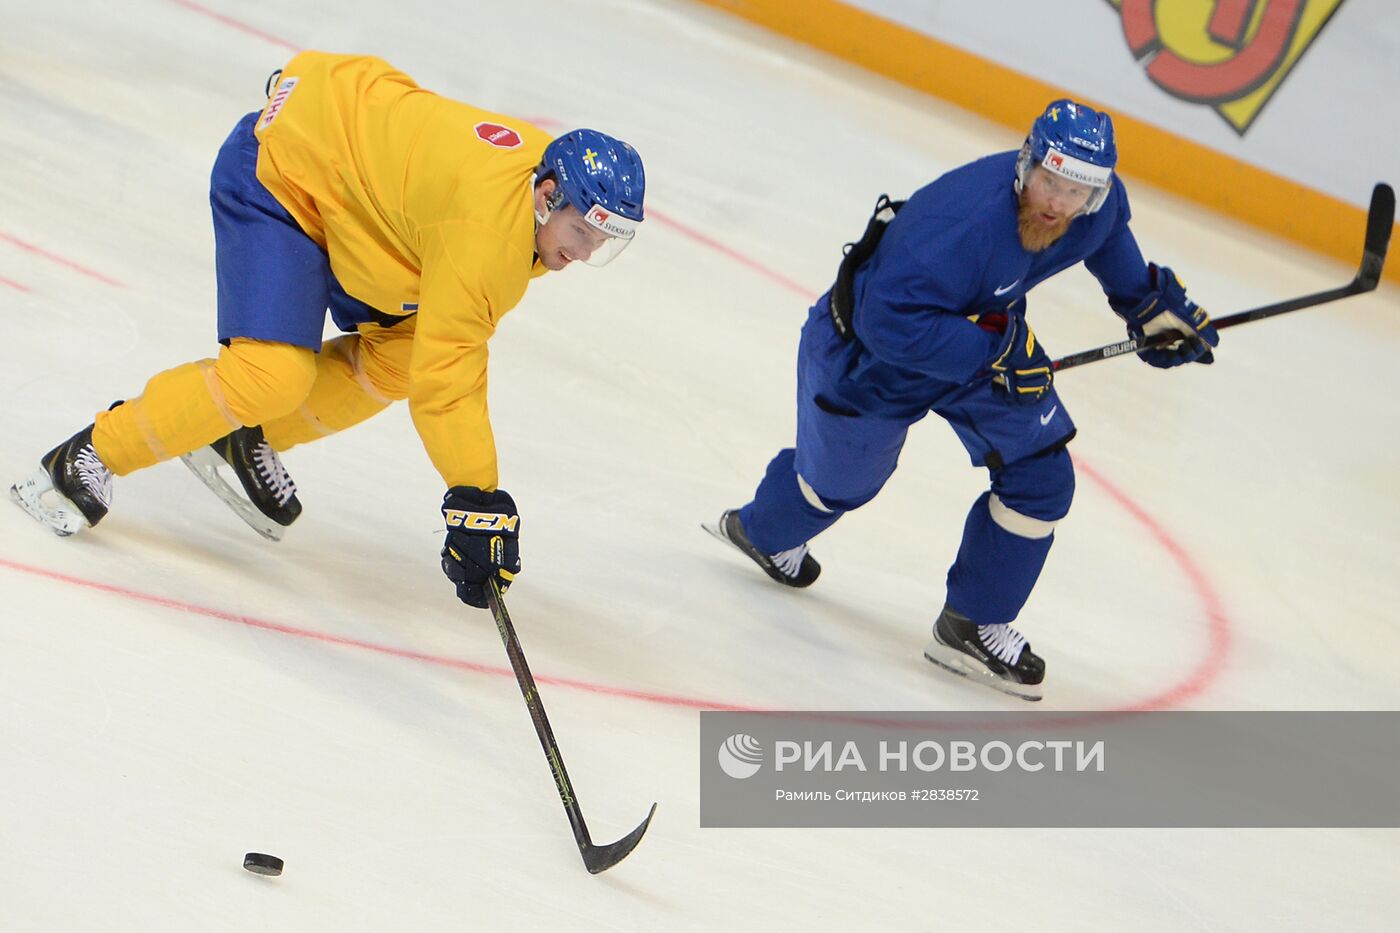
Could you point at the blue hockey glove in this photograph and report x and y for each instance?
(1021, 371)
(1167, 309)
(483, 541)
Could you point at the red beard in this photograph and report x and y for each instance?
(1035, 235)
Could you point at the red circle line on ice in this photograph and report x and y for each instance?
(1194, 683)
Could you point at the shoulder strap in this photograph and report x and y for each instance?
(856, 254)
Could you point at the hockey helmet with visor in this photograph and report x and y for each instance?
(601, 177)
(1074, 142)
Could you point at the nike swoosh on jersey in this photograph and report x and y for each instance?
(1006, 288)
(1045, 418)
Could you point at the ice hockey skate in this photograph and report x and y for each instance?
(995, 655)
(793, 567)
(270, 503)
(79, 481)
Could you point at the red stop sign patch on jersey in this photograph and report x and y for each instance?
(497, 135)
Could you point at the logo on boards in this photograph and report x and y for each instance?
(1231, 55)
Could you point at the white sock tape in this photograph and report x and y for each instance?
(811, 496)
(1022, 526)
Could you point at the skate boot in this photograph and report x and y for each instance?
(80, 481)
(995, 655)
(793, 567)
(271, 501)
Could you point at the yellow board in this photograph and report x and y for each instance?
(1196, 172)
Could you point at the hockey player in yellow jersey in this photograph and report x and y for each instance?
(417, 222)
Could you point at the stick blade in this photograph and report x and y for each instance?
(600, 858)
(1379, 222)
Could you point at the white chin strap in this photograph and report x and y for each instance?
(540, 219)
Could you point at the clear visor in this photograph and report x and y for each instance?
(1077, 177)
(595, 238)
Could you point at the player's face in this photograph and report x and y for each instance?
(567, 237)
(1053, 198)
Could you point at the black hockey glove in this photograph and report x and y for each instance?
(1167, 309)
(483, 541)
(1021, 371)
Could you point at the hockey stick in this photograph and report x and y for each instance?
(595, 858)
(1379, 221)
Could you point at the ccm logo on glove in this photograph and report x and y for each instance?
(480, 521)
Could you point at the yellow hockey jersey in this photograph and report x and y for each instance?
(422, 204)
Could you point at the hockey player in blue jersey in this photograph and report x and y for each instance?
(928, 313)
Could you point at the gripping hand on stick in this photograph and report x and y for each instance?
(1167, 309)
(1021, 370)
(483, 541)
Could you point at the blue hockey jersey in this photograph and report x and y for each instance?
(951, 254)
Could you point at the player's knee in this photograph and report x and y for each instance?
(812, 497)
(1029, 497)
(262, 380)
(385, 367)
(832, 504)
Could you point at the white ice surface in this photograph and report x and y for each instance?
(175, 691)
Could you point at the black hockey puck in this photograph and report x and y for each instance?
(260, 864)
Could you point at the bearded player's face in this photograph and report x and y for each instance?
(1048, 203)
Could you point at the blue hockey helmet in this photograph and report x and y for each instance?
(1075, 142)
(602, 178)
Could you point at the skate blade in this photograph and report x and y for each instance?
(714, 529)
(63, 519)
(954, 661)
(718, 531)
(764, 563)
(204, 463)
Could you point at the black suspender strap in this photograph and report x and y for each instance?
(856, 254)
